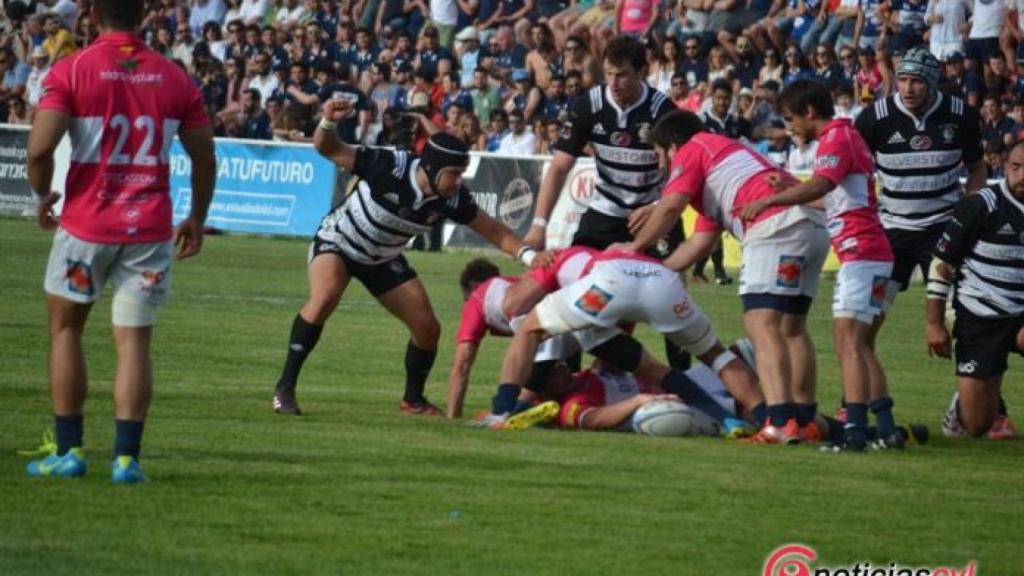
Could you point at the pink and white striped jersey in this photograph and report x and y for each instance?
(482, 313)
(719, 175)
(126, 103)
(574, 263)
(843, 158)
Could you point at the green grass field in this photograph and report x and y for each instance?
(353, 487)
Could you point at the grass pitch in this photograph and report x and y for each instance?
(353, 487)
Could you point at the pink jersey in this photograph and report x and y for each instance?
(482, 312)
(636, 15)
(844, 160)
(574, 263)
(719, 175)
(126, 103)
(596, 388)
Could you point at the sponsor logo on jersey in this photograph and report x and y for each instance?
(921, 142)
(620, 138)
(594, 300)
(896, 138)
(828, 161)
(879, 291)
(79, 277)
(787, 275)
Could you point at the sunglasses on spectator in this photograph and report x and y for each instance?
(846, 57)
(572, 47)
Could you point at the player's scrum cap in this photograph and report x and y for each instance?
(921, 63)
(443, 151)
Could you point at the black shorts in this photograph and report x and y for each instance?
(981, 48)
(377, 278)
(981, 346)
(912, 248)
(598, 230)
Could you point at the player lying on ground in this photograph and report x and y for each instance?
(396, 196)
(593, 292)
(784, 249)
(844, 177)
(981, 256)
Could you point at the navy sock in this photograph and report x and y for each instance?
(301, 341)
(778, 414)
(418, 363)
(505, 400)
(835, 429)
(676, 356)
(856, 428)
(128, 437)
(882, 409)
(678, 383)
(760, 413)
(805, 413)
(68, 430)
(1002, 407)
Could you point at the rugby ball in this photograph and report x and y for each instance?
(673, 418)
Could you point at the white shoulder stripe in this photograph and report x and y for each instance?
(400, 160)
(989, 196)
(595, 99)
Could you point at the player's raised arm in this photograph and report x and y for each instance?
(325, 138)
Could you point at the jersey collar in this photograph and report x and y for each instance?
(1006, 192)
(119, 37)
(919, 123)
(624, 114)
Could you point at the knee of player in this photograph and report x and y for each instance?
(428, 330)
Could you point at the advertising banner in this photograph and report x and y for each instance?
(505, 188)
(16, 196)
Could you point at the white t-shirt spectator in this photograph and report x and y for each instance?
(444, 12)
(266, 85)
(203, 12)
(945, 36)
(987, 20)
(34, 85)
(521, 144)
(252, 11)
(291, 17)
(1017, 6)
(802, 160)
(67, 10)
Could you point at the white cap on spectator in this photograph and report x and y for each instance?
(38, 52)
(468, 33)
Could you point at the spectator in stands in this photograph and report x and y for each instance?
(203, 11)
(291, 14)
(908, 25)
(236, 40)
(691, 18)
(253, 11)
(719, 66)
(719, 119)
(694, 67)
(251, 121)
(34, 83)
(432, 53)
(998, 76)
(183, 45)
(558, 100)
(162, 41)
(996, 154)
(509, 54)
(382, 92)
(524, 97)
(263, 79)
(520, 140)
(17, 112)
(214, 40)
(665, 64)
(995, 124)
(795, 67)
(59, 41)
(497, 129)
(787, 20)
(85, 31)
(454, 93)
(470, 132)
(987, 19)
(747, 63)
(801, 154)
(541, 61)
(826, 68)
(731, 17)
(550, 134)
(366, 51)
(772, 69)
(236, 83)
(577, 58)
(444, 15)
(574, 85)
(467, 49)
(636, 18)
(946, 20)
(14, 74)
(486, 98)
(848, 64)
(765, 98)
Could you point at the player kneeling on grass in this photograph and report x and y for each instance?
(981, 255)
(593, 292)
(396, 196)
(844, 177)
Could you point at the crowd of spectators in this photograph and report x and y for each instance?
(502, 74)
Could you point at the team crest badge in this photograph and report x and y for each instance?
(79, 277)
(644, 132)
(594, 300)
(787, 275)
(620, 138)
(948, 132)
(879, 291)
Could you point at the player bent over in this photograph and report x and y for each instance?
(616, 287)
(844, 176)
(397, 196)
(981, 255)
(122, 103)
(784, 249)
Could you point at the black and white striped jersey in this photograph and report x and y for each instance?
(919, 159)
(985, 243)
(385, 208)
(627, 166)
